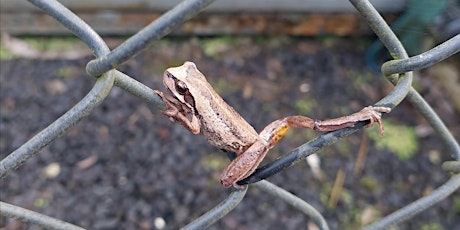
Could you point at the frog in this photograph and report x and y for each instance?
(191, 101)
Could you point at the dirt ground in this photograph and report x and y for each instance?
(126, 166)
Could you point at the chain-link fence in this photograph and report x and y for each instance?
(104, 67)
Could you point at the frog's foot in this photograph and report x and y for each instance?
(374, 114)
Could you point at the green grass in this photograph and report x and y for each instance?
(399, 139)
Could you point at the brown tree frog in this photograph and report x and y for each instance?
(192, 102)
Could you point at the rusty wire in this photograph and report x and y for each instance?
(397, 71)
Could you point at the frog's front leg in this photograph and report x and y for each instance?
(247, 162)
(180, 113)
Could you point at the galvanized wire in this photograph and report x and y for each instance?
(300, 153)
(80, 110)
(219, 211)
(423, 60)
(397, 71)
(75, 24)
(59, 127)
(435, 121)
(418, 206)
(294, 201)
(402, 82)
(402, 87)
(156, 30)
(32, 217)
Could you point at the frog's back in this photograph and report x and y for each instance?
(226, 129)
(221, 125)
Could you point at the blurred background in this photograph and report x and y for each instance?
(126, 166)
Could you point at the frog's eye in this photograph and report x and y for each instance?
(181, 88)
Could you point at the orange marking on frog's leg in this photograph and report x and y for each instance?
(278, 128)
(278, 134)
